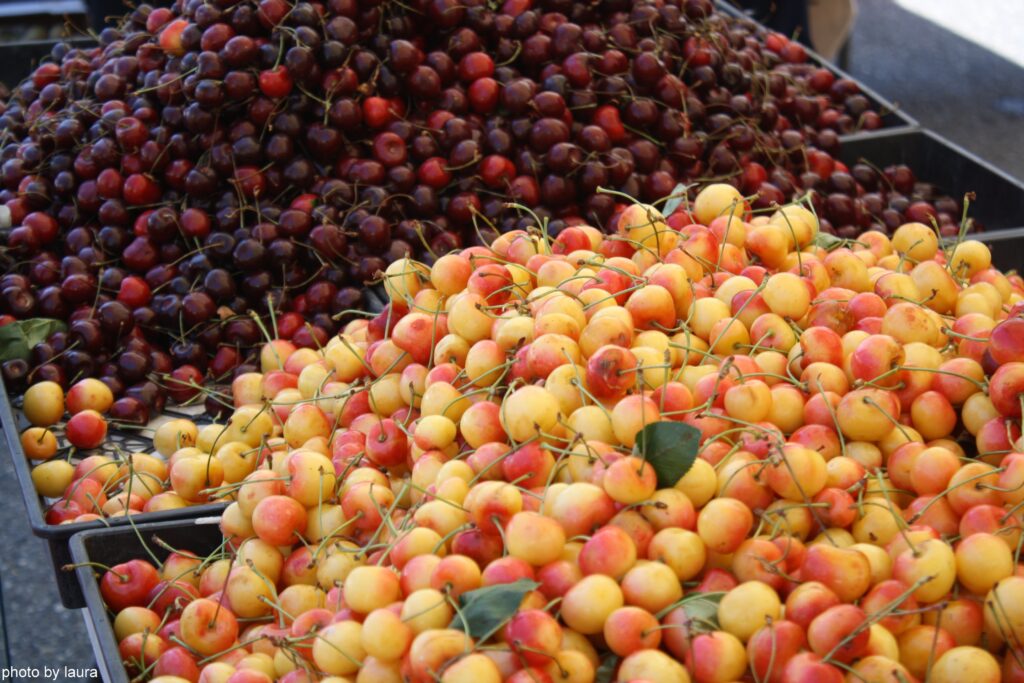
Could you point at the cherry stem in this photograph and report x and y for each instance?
(70, 567)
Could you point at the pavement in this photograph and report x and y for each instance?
(948, 82)
(39, 631)
(944, 79)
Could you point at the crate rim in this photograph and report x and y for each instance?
(95, 609)
(930, 134)
(33, 503)
(375, 301)
(73, 41)
(999, 235)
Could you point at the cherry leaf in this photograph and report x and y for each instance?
(483, 611)
(676, 199)
(701, 611)
(702, 608)
(18, 338)
(670, 448)
(829, 242)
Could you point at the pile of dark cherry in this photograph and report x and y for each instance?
(221, 158)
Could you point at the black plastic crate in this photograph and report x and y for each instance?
(120, 544)
(13, 9)
(57, 536)
(1007, 248)
(17, 60)
(893, 117)
(999, 197)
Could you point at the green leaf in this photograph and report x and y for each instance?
(701, 610)
(12, 343)
(827, 241)
(677, 197)
(606, 672)
(670, 448)
(18, 338)
(483, 611)
(39, 329)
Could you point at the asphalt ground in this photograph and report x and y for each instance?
(950, 84)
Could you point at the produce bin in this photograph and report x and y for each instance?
(893, 117)
(57, 536)
(1007, 248)
(999, 197)
(120, 544)
(17, 60)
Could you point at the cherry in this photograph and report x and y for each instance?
(184, 383)
(379, 112)
(149, 394)
(140, 189)
(497, 171)
(389, 149)
(197, 307)
(131, 133)
(434, 173)
(195, 223)
(63, 511)
(128, 584)
(474, 66)
(42, 226)
(223, 362)
(114, 318)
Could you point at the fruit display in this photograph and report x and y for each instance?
(712, 446)
(211, 159)
(84, 473)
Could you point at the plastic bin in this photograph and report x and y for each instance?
(999, 197)
(120, 544)
(893, 117)
(57, 536)
(1007, 248)
(17, 60)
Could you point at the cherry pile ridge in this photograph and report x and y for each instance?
(215, 158)
(709, 447)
